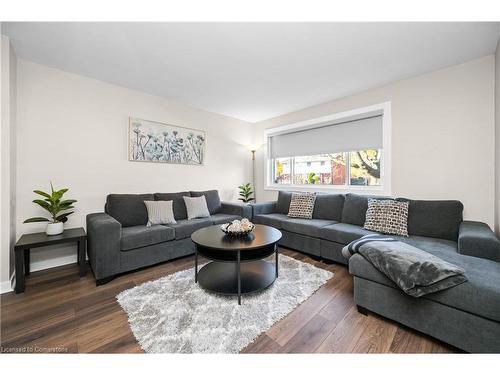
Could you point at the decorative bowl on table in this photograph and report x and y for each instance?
(238, 228)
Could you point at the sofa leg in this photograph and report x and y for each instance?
(362, 310)
(104, 281)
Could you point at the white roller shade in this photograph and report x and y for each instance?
(347, 136)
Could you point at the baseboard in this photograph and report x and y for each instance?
(51, 263)
(6, 286)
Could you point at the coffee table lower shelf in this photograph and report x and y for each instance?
(222, 278)
(238, 264)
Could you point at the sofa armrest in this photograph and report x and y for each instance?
(478, 240)
(263, 208)
(103, 244)
(243, 210)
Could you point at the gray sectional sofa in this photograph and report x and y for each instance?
(466, 316)
(119, 240)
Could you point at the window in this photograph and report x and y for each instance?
(362, 167)
(344, 151)
(282, 171)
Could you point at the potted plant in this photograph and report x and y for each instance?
(245, 193)
(57, 208)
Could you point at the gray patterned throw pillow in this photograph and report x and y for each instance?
(387, 216)
(302, 205)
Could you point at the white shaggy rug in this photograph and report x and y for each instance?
(175, 315)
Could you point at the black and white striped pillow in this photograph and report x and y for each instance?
(160, 212)
(353, 247)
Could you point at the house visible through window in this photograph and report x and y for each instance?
(340, 154)
(361, 168)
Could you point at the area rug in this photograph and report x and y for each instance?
(175, 315)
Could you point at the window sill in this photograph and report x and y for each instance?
(365, 190)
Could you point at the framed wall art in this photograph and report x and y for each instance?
(157, 142)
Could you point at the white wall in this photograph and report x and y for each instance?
(73, 130)
(497, 138)
(8, 161)
(443, 144)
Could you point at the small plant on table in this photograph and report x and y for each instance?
(57, 208)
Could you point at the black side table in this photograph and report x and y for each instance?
(30, 241)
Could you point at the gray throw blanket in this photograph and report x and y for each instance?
(414, 271)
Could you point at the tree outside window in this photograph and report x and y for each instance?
(365, 167)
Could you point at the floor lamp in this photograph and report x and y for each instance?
(253, 148)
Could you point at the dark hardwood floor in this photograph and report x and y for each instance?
(59, 312)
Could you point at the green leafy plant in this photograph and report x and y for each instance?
(246, 192)
(312, 178)
(54, 204)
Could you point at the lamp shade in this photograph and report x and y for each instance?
(253, 147)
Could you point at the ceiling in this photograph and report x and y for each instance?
(251, 71)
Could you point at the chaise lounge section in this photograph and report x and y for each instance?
(119, 240)
(466, 316)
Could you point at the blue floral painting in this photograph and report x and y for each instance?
(163, 143)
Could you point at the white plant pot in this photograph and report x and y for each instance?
(54, 228)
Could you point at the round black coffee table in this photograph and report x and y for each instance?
(238, 266)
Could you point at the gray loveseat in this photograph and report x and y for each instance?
(119, 240)
(466, 316)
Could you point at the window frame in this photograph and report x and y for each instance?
(384, 188)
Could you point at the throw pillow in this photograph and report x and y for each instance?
(160, 212)
(196, 207)
(387, 216)
(302, 205)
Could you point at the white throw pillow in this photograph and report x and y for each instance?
(196, 207)
(160, 212)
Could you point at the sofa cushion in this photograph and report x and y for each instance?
(307, 227)
(478, 240)
(328, 206)
(223, 218)
(178, 202)
(212, 197)
(273, 220)
(141, 235)
(480, 295)
(128, 209)
(354, 209)
(283, 202)
(343, 233)
(437, 219)
(185, 228)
